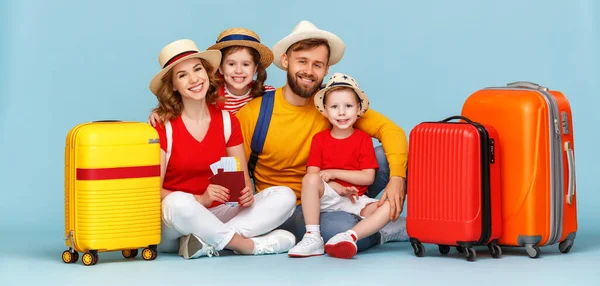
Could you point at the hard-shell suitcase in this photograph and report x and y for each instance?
(112, 190)
(538, 163)
(453, 187)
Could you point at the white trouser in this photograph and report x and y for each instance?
(183, 215)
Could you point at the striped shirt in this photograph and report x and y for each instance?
(236, 102)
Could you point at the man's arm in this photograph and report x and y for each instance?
(394, 142)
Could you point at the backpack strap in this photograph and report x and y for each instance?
(226, 124)
(169, 131)
(260, 131)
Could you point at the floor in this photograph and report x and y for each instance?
(27, 257)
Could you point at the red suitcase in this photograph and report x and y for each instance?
(453, 187)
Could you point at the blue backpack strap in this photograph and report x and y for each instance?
(260, 131)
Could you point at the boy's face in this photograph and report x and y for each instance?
(341, 108)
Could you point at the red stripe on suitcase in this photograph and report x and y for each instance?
(118, 173)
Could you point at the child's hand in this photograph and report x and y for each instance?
(153, 119)
(327, 175)
(350, 192)
(246, 197)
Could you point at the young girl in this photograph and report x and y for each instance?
(243, 56)
(195, 220)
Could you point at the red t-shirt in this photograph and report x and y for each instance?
(353, 153)
(188, 168)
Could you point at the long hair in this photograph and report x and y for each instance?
(170, 104)
(258, 87)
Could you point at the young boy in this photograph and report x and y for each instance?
(340, 167)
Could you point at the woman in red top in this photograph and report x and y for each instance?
(195, 222)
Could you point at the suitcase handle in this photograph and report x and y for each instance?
(571, 164)
(457, 117)
(527, 84)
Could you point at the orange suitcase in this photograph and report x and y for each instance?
(535, 129)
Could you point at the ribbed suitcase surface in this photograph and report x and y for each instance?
(449, 200)
(112, 190)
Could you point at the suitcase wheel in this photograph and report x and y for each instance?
(495, 250)
(565, 246)
(89, 258)
(419, 249)
(129, 253)
(444, 249)
(470, 253)
(70, 256)
(149, 253)
(532, 250)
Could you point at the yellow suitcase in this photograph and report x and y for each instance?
(112, 190)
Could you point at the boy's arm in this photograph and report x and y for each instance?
(356, 177)
(395, 144)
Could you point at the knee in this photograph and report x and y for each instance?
(179, 204)
(311, 180)
(285, 196)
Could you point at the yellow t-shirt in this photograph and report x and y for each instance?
(287, 145)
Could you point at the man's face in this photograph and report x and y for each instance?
(306, 70)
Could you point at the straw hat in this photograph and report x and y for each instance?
(246, 38)
(340, 79)
(179, 51)
(306, 30)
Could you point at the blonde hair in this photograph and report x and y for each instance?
(170, 104)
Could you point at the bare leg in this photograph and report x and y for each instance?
(312, 191)
(374, 222)
(241, 245)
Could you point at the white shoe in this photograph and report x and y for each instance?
(274, 242)
(311, 245)
(394, 231)
(341, 245)
(191, 247)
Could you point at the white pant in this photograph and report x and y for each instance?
(331, 201)
(183, 215)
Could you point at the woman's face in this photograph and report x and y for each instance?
(190, 79)
(238, 69)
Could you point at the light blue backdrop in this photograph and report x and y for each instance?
(68, 62)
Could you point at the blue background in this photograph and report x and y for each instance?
(67, 62)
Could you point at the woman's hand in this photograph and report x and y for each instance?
(214, 193)
(246, 197)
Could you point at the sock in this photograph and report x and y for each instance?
(352, 233)
(313, 228)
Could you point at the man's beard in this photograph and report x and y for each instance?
(305, 92)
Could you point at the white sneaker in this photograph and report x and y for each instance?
(191, 247)
(341, 245)
(310, 245)
(274, 242)
(394, 231)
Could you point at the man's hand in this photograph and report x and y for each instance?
(395, 191)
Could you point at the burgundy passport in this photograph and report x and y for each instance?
(233, 181)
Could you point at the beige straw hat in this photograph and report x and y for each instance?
(340, 79)
(246, 38)
(179, 51)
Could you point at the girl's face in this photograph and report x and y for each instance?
(238, 69)
(190, 79)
